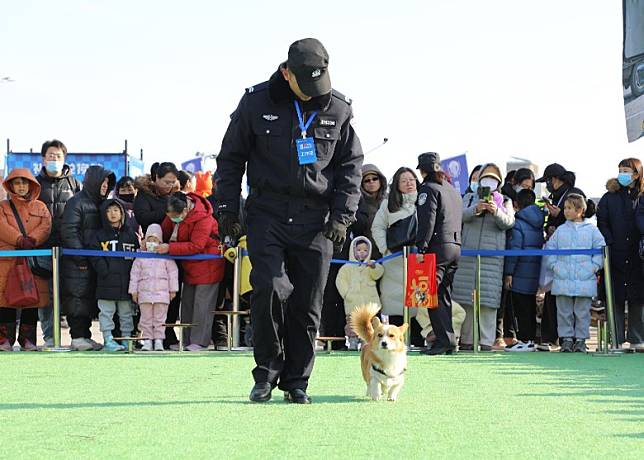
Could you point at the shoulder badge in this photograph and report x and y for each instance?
(341, 96)
(256, 88)
(422, 198)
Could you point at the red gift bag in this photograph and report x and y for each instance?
(421, 290)
(21, 289)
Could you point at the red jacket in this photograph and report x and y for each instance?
(196, 235)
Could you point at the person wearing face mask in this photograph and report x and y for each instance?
(560, 183)
(619, 213)
(397, 211)
(125, 192)
(81, 220)
(487, 215)
(473, 181)
(57, 186)
(153, 284)
(150, 203)
(190, 229)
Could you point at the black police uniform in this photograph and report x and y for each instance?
(287, 208)
(439, 210)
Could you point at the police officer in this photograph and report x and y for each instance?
(293, 133)
(439, 210)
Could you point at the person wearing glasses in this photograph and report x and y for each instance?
(150, 207)
(294, 135)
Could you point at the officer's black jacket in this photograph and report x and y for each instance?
(440, 215)
(262, 134)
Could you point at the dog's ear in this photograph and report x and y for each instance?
(375, 323)
(403, 328)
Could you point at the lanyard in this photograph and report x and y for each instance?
(303, 127)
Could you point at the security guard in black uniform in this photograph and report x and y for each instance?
(304, 161)
(440, 215)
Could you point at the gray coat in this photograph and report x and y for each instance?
(482, 232)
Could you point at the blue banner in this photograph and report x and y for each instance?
(456, 169)
(193, 165)
(79, 162)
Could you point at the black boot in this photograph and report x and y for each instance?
(7, 336)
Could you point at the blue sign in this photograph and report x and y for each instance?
(78, 162)
(456, 169)
(193, 165)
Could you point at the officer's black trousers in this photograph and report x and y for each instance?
(447, 256)
(290, 267)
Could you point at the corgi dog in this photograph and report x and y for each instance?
(383, 355)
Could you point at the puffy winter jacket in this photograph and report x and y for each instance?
(153, 280)
(617, 220)
(482, 231)
(391, 288)
(113, 273)
(149, 206)
(574, 276)
(81, 219)
(55, 192)
(36, 221)
(527, 233)
(196, 235)
(357, 283)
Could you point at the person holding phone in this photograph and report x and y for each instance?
(487, 215)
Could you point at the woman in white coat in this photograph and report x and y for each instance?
(400, 204)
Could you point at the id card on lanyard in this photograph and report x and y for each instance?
(306, 153)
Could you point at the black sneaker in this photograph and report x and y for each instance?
(580, 346)
(567, 345)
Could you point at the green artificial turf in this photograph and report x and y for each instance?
(533, 405)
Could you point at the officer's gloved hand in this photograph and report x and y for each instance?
(336, 232)
(229, 226)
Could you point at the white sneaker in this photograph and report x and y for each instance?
(174, 347)
(158, 345)
(521, 346)
(637, 346)
(49, 343)
(147, 345)
(195, 347)
(81, 344)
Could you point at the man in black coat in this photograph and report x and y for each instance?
(560, 183)
(440, 213)
(304, 158)
(57, 186)
(81, 219)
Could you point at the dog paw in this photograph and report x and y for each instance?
(391, 399)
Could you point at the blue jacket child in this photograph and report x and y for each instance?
(574, 276)
(527, 233)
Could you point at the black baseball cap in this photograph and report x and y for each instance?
(553, 170)
(309, 61)
(427, 161)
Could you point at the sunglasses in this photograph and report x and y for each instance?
(370, 179)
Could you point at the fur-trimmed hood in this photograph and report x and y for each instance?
(612, 185)
(144, 184)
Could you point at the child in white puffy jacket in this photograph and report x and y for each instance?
(356, 283)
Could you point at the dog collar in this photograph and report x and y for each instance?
(380, 371)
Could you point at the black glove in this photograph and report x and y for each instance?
(336, 232)
(229, 226)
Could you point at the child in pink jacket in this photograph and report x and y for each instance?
(153, 284)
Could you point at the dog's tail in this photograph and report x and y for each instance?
(361, 320)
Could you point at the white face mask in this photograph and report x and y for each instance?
(151, 245)
(489, 182)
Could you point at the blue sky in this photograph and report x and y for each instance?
(539, 80)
